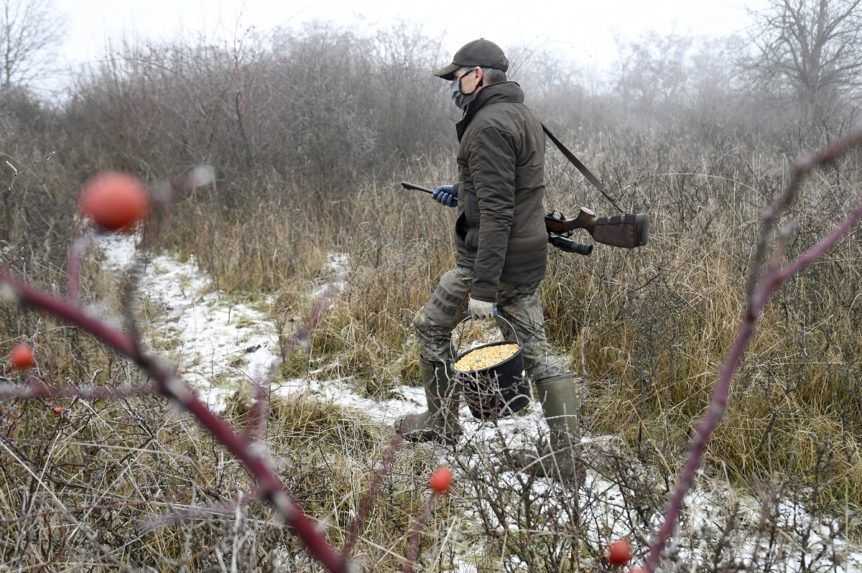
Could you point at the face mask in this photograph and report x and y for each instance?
(461, 100)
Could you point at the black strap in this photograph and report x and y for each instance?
(581, 167)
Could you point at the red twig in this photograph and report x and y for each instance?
(761, 286)
(418, 526)
(170, 386)
(29, 296)
(303, 333)
(255, 427)
(365, 505)
(73, 268)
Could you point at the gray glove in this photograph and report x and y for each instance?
(481, 309)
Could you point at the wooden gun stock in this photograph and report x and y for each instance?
(625, 231)
(557, 223)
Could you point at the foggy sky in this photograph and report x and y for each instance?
(579, 31)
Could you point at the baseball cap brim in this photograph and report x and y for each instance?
(447, 72)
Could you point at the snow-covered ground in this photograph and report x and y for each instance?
(220, 346)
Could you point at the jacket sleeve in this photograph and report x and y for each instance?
(492, 168)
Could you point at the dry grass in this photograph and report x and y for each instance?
(266, 238)
(117, 484)
(647, 328)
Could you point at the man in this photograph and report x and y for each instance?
(502, 253)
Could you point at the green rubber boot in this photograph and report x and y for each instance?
(440, 422)
(558, 458)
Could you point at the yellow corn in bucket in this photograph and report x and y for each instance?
(493, 379)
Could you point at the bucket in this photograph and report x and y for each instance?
(499, 389)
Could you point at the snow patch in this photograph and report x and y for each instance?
(221, 345)
(338, 264)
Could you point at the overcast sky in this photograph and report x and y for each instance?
(579, 30)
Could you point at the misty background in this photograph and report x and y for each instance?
(586, 33)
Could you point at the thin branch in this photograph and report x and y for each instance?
(259, 412)
(26, 295)
(376, 481)
(418, 526)
(198, 512)
(73, 269)
(255, 427)
(761, 286)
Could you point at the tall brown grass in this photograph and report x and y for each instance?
(647, 328)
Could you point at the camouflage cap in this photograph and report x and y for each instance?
(483, 53)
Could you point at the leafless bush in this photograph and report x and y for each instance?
(320, 106)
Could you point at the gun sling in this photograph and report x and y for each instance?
(581, 167)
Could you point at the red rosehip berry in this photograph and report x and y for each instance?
(21, 357)
(114, 201)
(440, 480)
(619, 552)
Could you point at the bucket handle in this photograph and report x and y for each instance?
(456, 348)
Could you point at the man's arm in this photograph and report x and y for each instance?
(492, 167)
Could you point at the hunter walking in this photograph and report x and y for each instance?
(502, 255)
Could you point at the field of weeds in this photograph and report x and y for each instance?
(305, 240)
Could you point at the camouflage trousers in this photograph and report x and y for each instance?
(520, 306)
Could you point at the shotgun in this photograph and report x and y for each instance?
(624, 231)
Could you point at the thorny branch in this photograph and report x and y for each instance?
(763, 280)
(415, 532)
(168, 384)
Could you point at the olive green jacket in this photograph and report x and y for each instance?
(500, 230)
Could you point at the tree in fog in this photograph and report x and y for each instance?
(810, 49)
(29, 32)
(654, 71)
